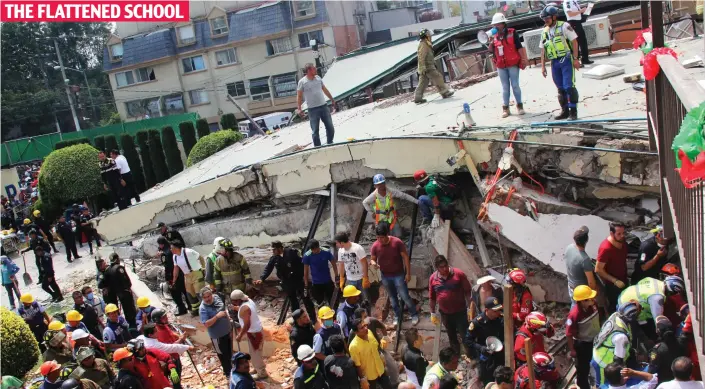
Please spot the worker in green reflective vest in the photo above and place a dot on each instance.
(614, 341)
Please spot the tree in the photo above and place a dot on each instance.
(188, 136)
(228, 122)
(143, 142)
(70, 142)
(69, 175)
(133, 159)
(99, 142)
(111, 143)
(172, 152)
(20, 351)
(156, 154)
(202, 128)
(211, 144)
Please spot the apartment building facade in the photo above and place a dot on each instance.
(253, 51)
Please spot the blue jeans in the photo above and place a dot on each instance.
(358, 285)
(315, 116)
(426, 207)
(510, 76)
(396, 284)
(563, 75)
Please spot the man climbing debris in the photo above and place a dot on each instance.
(436, 204)
(381, 203)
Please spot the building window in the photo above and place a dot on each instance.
(237, 89)
(305, 38)
(124, 79)
(226, 57)
(199, 96)
(140, 75)
(145, 74)
(116, 52)
(174, 104)
(259, 88)
(284, 84)
(278, 46)
(149, 107)
(186, 35)
(304, 9)
(193, 64)
(219, 26)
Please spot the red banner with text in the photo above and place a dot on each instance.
(94, 11)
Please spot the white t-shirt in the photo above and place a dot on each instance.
(180, 260)
(572, 6)
(121, 163)
(352, 260)
(568, 33)
(681, 385)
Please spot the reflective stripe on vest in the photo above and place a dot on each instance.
(387, 212)
(558, 47)
(641, 292)
(603, 352)
(508, 56)
(437, 370)
(312, 376)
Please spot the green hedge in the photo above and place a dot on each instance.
(171, 151)
(202, 128)
(111, 144)
(133, 159)
(156, 154)
(228, 122)
(211, 144)
(143, 142)
(69, 174)
(19, 348)
(188, 136)
(99, 142)
(71, 142)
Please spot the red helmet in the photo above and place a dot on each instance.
(543, 362)
(516, 276)
(671, 269)
(420, 175)
(536, 321)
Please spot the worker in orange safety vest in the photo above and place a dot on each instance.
(383, 200)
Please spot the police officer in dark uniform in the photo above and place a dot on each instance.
(665, 351)
(488, 323)
(118, 282)
(109, 296)
(85, 225)
(177, 289)
(74, 215)
(45, 226)
(37, 241)
(65, 231)
(46, 272)
(112, 181)
(301, 333)
(169, 233)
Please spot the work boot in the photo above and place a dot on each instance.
(573, 114)
(420, 101)
(564, 108)
(520, 109)
(448, 94)
(505, 111)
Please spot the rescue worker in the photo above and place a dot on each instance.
(508, 56)
(86, 226)
(45, 227)
(117, 332)
(450, 288)
(290, 271)
(364, 351)
(352, 264)
(250, 327)
(427, 69)
(126, 377)
(109, 296)
(169, 233)
(144, 312)
(523, 301)
(210, 262)
(65, 231)
(381, 203)
(177, 286)
(653, 255)
(651, 295)
(328, 328)
(240, 377)
(230, 271)
(544, 372)
(118, 282)
(665, 351)
(613, 342)
(155, 368)
(338, 368)
(112, 181)
(309, 375)
(488, 323)
(74, 383)
(56, 342)
(47, 274)
(581, 327)
(436, 204)
(95, 302)
(448, 359)
(95, 369)
(535, 327)
(51, 371)
(88, 315)
(191, 263)
(346, 309)
(158, 334)
(165, 334)
(35, 316)
(34, 242)
(81, 338)
(559, 44)
(28, 226)
(302, 332)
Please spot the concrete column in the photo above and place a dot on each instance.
(333, 193)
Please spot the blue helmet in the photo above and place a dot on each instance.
(674, 285)
(378, 179)
(549, 10)
(629, 310)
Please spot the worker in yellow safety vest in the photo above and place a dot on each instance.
(651, 295)
(381, 202)
(614, 341)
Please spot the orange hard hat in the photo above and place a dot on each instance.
(671, 269)
(121, 354)
(48, 367)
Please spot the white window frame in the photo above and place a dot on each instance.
(227, 51)
(244, 88)
(148, 70)
(127, 79)
(308, 12)
(222, 30)
(308, 39)
(203, 97)
(260, 96)
(188, 41)
(114, 57)
(285, 89)
(277, 44)
(192, 64)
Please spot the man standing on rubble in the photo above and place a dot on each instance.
(578, 264)
(364, 351)
(450, 288)
(653, 255)
(382, 198)
(488, 323)
(214, 316)
(427, 69)
(118, 282)
(302, 332)
(311, 89)
(250, 327)
(191, 263)
(230, 270)
(614, 341)
(485, 287)
(522, 299)
(437, 204)
(581, 327)
(611, 264)
(352, 264)
(316, 268)
(169, 233)
(177, 286)
(346, 310)
(389, 254)
(536, 325)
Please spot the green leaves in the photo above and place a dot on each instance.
(19, 348)
(69, 174)
(188, 136)
(211, 144)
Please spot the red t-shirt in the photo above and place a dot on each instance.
(615, 259)
(389, 256)
(575, 317)
(449, 293)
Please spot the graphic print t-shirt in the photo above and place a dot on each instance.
(351, 259)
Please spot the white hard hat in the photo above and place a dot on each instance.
(498, 18)
(216, 241)
(79, 334)
(305, 353)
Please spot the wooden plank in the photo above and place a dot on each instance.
(460, 257)
(529, 352)
(508, 326)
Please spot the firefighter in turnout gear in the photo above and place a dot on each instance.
(559, 45)
(95, 369)
(613, 343)
(427, 69)
(231, 270)
(118, 283)
(535, 327)
(381, 202)
(210, 262)
(488, 323)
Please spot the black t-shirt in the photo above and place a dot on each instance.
(340, 372)
(90, 319)
(300, 336)
(647, 251)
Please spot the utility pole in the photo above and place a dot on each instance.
(316, 55)
(90, 95)
(66, 86)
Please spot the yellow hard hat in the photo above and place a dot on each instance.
(111, 308)
(27, 298)
(326, 313)
(27, 221)
(56, 325)
(36, 213)
(350, 291)
(142, 302)
(73, 315)
(583, 292)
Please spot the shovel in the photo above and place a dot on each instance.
(26, 277)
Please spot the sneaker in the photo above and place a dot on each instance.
(414, 320)
(448, 94)
(520, 109)
(420, 101)
(588, 62)
(78, 257)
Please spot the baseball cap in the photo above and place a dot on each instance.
(493, 303)
(238, 356)
(297, 314)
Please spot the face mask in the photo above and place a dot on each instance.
(89, 296)
(660, 245)
(328, 323)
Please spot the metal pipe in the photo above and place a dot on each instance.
(610, 120)
(332, 211)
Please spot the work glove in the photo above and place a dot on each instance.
(305, 290)
(435, 319)
(365, 282)
(619, 284)
(364, 384)
(342, 283)
(470, 316)
(436, 222)
(174, 375)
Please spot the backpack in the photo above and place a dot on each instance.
(448, 188)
